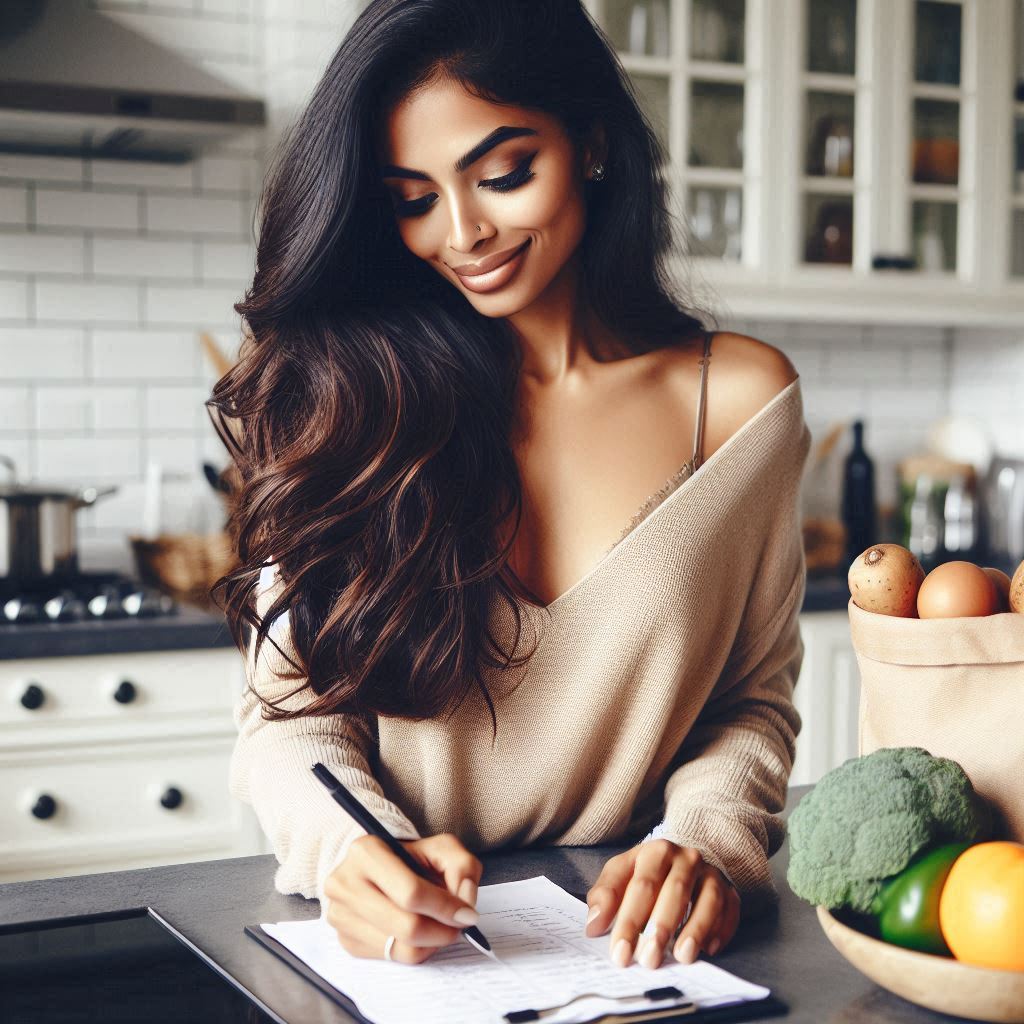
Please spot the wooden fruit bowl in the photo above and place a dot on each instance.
(937, 982)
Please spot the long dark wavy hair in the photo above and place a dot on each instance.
(369, 413)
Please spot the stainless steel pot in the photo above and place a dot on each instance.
(38, 530)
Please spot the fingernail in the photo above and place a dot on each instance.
(593, 913)
(466, 916)
(652, 954)
(467, 891)
(714, 946)
(686, 952)
(621, 953)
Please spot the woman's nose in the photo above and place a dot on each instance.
(466, 220)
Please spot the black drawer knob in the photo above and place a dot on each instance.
(126, 692)
(33, 697)
(172, 798)
(44, 807)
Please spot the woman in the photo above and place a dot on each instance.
(464, 371)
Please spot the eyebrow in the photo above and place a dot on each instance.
(464, 162)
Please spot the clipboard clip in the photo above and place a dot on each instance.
(653, 994)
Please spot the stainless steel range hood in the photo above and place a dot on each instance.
(75, 82)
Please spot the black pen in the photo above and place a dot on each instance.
(342, 796)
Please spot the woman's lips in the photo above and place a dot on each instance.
(499, 276)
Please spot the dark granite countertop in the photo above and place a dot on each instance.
(187, 629)
(209, 903)
(193, 628)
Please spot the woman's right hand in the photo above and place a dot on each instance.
(372, 894)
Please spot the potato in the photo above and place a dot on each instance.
(885, 579)
(1017, 590)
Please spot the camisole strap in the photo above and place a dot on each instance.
(698, 435)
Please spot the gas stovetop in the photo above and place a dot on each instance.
(86, 596)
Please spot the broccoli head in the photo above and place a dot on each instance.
(867, 819)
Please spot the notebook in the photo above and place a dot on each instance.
(535, 929)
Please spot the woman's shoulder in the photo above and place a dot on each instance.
(744, 375)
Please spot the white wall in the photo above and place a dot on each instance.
(108, 271)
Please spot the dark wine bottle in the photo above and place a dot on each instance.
(859, 512)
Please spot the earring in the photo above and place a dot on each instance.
(597, 172)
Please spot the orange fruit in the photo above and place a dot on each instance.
(981, 909)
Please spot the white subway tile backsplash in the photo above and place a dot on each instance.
(15, 410)
(227, 261)
(176, 408)
(144, 257)
(194, 215)
(28, 353)
(139, 174)
(22, 167)
(63, 408)
(222, 173)
(116, 408)
(87, 459)
(86, 209)
(14, 299)
(29, 252)
(177, 453)
(144, 354)
(87, 302)
(192, 304)
(13, 205)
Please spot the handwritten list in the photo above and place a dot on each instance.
(535, 929)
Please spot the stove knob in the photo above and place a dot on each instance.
(18, 609)
(44, 807)
(126, 692)
(172, 798)
(33, 697)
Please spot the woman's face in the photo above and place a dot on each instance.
(475, 184)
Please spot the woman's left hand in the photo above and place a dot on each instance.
(655, 881)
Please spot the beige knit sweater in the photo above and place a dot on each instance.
(660, 694)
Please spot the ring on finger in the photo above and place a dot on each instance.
(387, 947)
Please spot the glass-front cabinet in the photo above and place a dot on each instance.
(696, 67)
(829, 153)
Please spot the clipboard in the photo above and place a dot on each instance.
(770, 1006)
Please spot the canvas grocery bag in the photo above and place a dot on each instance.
(952, 686)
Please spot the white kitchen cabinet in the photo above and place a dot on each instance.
(810, 138)
(119, 760)
(827, 695)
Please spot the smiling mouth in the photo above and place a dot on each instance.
(513, 253)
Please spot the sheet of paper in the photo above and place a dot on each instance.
(535, 928)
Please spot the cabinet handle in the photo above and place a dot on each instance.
(33, 697)
(126, 692)
(172, 798)
(44, 807)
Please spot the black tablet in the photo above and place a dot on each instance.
(115, 968)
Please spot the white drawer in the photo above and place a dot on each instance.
(109, 689)
(107, 800)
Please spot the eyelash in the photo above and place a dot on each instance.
(507, 183)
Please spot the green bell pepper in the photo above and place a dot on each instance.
(907, 908)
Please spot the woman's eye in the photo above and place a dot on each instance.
(520, 176)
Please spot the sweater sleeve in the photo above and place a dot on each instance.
(270, 767)
(733, 767)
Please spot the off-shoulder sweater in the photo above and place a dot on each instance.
(659, 694)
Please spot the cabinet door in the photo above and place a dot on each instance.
(698, 70)
(827, 695)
